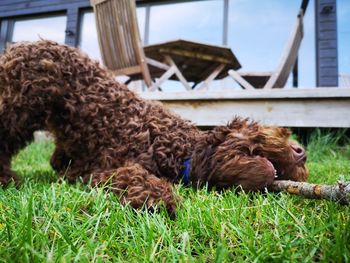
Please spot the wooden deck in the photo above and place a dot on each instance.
(319, 107)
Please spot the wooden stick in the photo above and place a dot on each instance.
(339, 193)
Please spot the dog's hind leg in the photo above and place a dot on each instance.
(16, 131)
(137, 187)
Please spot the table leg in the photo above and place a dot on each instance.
(211, 77)
(164, 77)
(178, 73)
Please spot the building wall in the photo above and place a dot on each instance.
(10, 10)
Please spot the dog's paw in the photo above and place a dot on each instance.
(6, 180)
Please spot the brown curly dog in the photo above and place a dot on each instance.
(106, 133)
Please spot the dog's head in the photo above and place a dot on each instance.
(286, 155)
(251, 155)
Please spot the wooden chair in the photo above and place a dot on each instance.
(278, 78)
(121, 46)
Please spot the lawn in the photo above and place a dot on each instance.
(48, 220)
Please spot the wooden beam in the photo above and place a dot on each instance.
(237, 77)
(194, 54)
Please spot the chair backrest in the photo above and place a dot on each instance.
(289, 57)
(119, 37)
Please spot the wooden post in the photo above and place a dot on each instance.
(295, 74)
(225, 23)
(72, 26)
(3, 34)
(326, 43)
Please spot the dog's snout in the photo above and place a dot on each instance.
(299, 153)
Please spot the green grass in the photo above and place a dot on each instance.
(48, 220)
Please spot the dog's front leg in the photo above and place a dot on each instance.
(137, 187)
(250, 173)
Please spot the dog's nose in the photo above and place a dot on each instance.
(299, 153)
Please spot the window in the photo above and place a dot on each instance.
(32, 29)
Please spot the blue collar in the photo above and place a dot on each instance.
(186, 172)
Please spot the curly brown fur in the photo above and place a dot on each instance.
(104, 132)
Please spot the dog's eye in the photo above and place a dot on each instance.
(257, 152)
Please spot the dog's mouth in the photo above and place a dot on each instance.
(272, 167)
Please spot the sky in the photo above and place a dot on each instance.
(49, 27)
(343, 12)
(257, 32)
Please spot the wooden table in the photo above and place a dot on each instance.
(197, 62)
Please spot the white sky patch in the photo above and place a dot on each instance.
(200, 21)
(51, 28)
(343, 12)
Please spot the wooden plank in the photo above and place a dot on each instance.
(327, 35)
(327, 25)
(194, 54)
(290, 109)
(38, 3)
(127, 71)
(328, 71)
(10, 2)
(40, 7)
(256, 73)
(307, 93)
(328, 53)
(328, 62)
(157, 64)
(290, 114)
(191, 49)
(325, 44)
(326, 2)
(329, 81)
